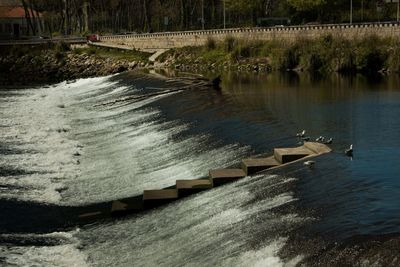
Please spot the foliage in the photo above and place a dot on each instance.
(62, 47)
(210, 44)
(65, 17)
(326, 54)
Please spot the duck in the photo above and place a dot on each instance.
(302, 134)
(349, 151)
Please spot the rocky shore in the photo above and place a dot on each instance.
(49, 66)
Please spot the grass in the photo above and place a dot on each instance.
(118, 54)
(325, 54)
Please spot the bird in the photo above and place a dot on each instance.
(302, 134)
(320, 139)
(309, 163)
(349, 151)
(329, 141)
(307, 138)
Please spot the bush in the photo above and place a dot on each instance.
(211, 44)
(370, 55)
(229, 44)
(91, 50)
(315, 62)
(59, 55)
(19, 51)
(62, 47)
(290, 58)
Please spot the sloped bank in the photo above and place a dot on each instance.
(24, 66)
(368, 55)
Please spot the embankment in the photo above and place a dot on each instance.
(38, 65)
(369, 55)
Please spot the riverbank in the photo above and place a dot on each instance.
(40, 65)
(369, 55)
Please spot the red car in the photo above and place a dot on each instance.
(93, 38)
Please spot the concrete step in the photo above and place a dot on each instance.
(153, 198)
(317, 148)
(126, 205)
(189, 187)
(223, 176)
(251, 166)
(285, 155)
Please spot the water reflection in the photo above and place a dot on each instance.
(265, 110)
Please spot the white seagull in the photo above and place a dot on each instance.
(302, 134)
(309, 163)
(349, 151)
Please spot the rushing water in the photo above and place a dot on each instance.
(66, 146)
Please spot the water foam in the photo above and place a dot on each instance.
(215, 228)
(94, 153)
(64, 253)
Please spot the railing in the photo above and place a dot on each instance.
(255, 29)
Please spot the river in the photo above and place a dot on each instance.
(68, 146)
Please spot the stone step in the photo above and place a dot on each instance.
(251, 166)
(188, 187)
(285, 155)
(317, 148)
(126, 205)
(223, 176)
(153, 198)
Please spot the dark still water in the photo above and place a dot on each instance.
(71, 145)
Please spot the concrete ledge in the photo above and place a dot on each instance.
(126, 205)
(317, 148)
(90, 215)
(152, 198)
(285, 155)
(251, 166)
(223, 176)
(188, 187)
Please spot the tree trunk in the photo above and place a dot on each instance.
(28, 18)
(85, 8)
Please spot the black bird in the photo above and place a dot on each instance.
(349, 151)
(307, 138)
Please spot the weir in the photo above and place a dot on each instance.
(183, 188)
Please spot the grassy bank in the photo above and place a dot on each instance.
(326, 54)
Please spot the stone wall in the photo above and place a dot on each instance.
(154, 41)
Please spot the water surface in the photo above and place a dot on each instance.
(74, 144)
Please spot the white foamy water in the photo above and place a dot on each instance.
(64, 254)
(215, 228)
(69, 149)
(91, 152)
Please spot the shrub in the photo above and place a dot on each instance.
(59, 56)
(211, 44)
(370, 56)
(290, 58)
(315, 62)
(62, 47)
(91, 50)
(229, 44)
